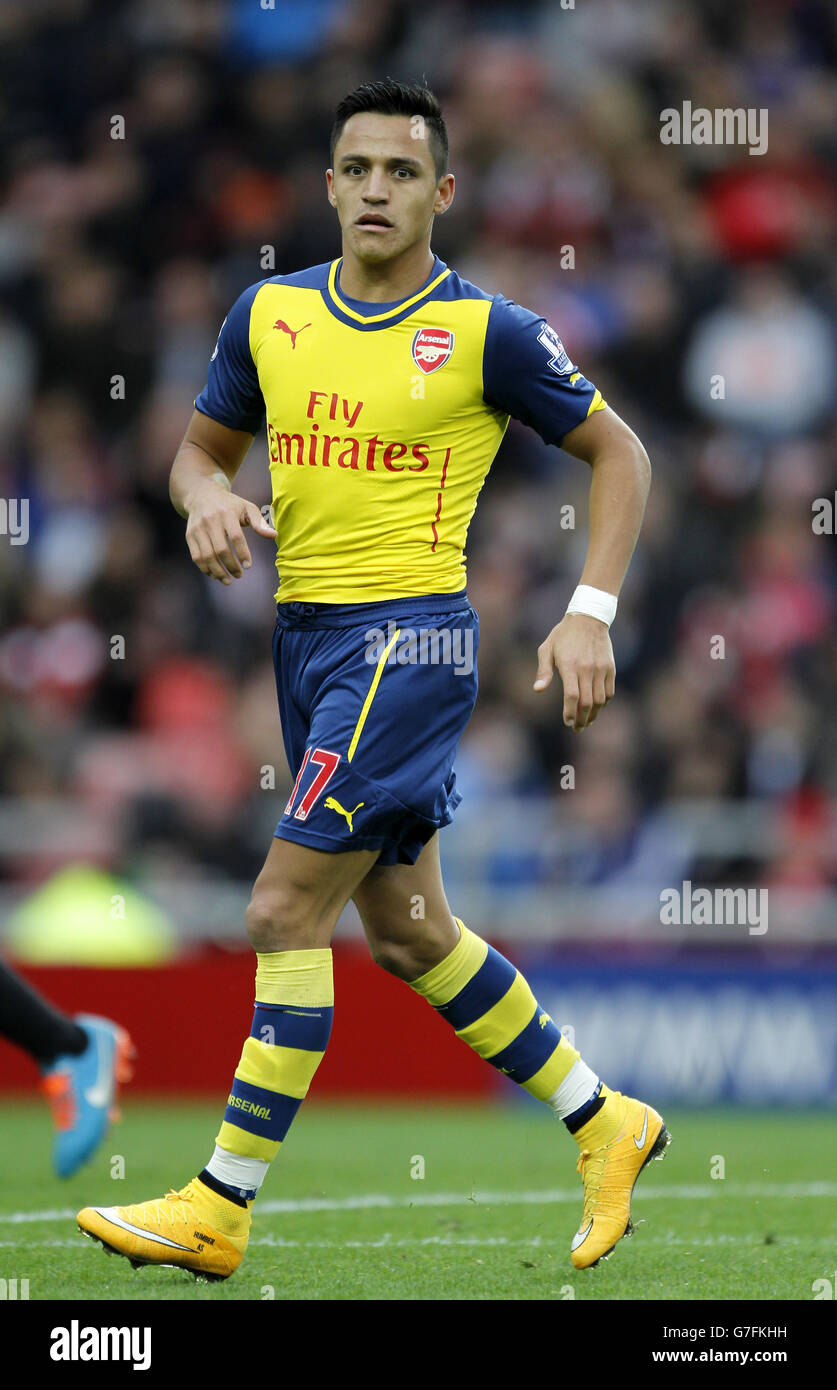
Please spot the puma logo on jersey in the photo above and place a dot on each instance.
(332, 804)
(291, 332)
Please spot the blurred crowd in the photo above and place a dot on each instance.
(698, 292)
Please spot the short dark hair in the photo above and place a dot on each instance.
(393, 98)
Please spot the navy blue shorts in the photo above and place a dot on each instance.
(373, 699)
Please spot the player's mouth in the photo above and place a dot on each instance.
(373, 222)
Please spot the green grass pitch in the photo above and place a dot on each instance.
(341, 1217)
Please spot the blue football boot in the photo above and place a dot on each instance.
(82, 1091)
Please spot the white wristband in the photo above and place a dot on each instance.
(594, 603)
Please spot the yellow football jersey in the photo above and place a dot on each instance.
(383, 420)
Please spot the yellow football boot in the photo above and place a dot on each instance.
(615, 1147)
(193, 1229)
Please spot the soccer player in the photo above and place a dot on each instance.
(83, 1060)
(388, 383)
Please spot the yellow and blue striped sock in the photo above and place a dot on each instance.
(291, 1028)
(491, 1007)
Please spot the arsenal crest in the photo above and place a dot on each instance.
(431, 348)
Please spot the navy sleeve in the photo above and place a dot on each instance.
(527, 373)
(232, 394)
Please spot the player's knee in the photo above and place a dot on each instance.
(282, 920)
(394, 959)
(409, 961)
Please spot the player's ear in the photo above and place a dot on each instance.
(444, 194)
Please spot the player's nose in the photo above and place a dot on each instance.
(375, 190)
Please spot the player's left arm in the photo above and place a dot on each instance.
(527, 373)
(579, 647)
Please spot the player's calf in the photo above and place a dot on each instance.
(492, 1008)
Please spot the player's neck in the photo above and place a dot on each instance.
(382, 284)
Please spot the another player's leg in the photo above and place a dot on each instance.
(492, 1008)
(83, 1060)
(204, 1227)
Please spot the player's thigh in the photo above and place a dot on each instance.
(405, 911)
(300, 893)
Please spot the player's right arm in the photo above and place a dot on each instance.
(227, 414)
(200, 488)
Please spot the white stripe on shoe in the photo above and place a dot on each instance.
(110, 1214)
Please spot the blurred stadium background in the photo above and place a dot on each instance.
(138, 723)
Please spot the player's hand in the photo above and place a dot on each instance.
(215, 531)
(579, 649)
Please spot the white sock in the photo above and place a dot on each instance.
(578, 1087)
(244, 1175)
